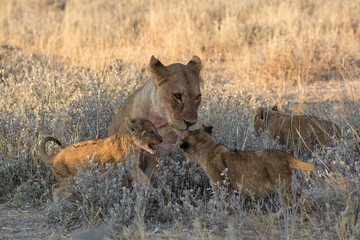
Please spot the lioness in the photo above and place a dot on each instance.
(169, 99)
(256, 171)
(135, 132)
(292, 130)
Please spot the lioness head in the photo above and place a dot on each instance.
(195, 141)
(143, 133)
(177, 95)
(260, 118)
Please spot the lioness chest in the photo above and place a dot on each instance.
(169, 134)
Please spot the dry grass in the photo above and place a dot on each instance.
(78, 62)
(263, 40)
(42, 97)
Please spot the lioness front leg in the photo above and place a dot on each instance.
(147, 165)
(142, 171)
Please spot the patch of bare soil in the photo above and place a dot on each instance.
(25, 224)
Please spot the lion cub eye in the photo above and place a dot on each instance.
(177, 96)
(152, 132)
(198, 97)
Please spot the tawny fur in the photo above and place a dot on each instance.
(294, 130)
(169, 99)
(257, 171)
(136, 133)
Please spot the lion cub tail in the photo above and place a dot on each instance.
(42, 151)
(296, 163)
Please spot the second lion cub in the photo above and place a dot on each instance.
(256, 171)
(294, 129)
(137, 132)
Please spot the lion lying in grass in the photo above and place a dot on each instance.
(257, 171)
(294, 130)
(135, 132)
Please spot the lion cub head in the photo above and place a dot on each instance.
(196, 142)
(143, 133)
(263, 115)
(178, 95)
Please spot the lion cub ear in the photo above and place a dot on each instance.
(206, 127)
(195, 64)
(131, 124)
(261, 113)
(275, 108)
(158, 69)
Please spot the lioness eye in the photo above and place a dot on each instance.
(177, 96)
(152, 132)
(198, 97)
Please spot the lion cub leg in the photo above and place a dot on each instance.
(54, 189)
(58, 191)
(281, 183)
(290, 200)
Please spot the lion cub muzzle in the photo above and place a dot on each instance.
(183, 144)
(149, 140)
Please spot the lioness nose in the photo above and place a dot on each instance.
(188, 124)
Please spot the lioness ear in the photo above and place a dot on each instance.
(207, 128)
(275, 108)
(195, 64)
(158, 69)
(261, 113)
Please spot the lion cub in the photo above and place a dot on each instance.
(256, 171)
(137, 132)
(289, 128)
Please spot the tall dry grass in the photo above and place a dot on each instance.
(239, 42)
(253, 40)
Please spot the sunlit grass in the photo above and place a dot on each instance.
(291, 41)
(66, 69)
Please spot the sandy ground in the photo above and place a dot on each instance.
(22, 224)
(29, 224)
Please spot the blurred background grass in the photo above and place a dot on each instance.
(255, 40)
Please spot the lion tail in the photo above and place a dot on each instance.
(296, 163)
(42, 151)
